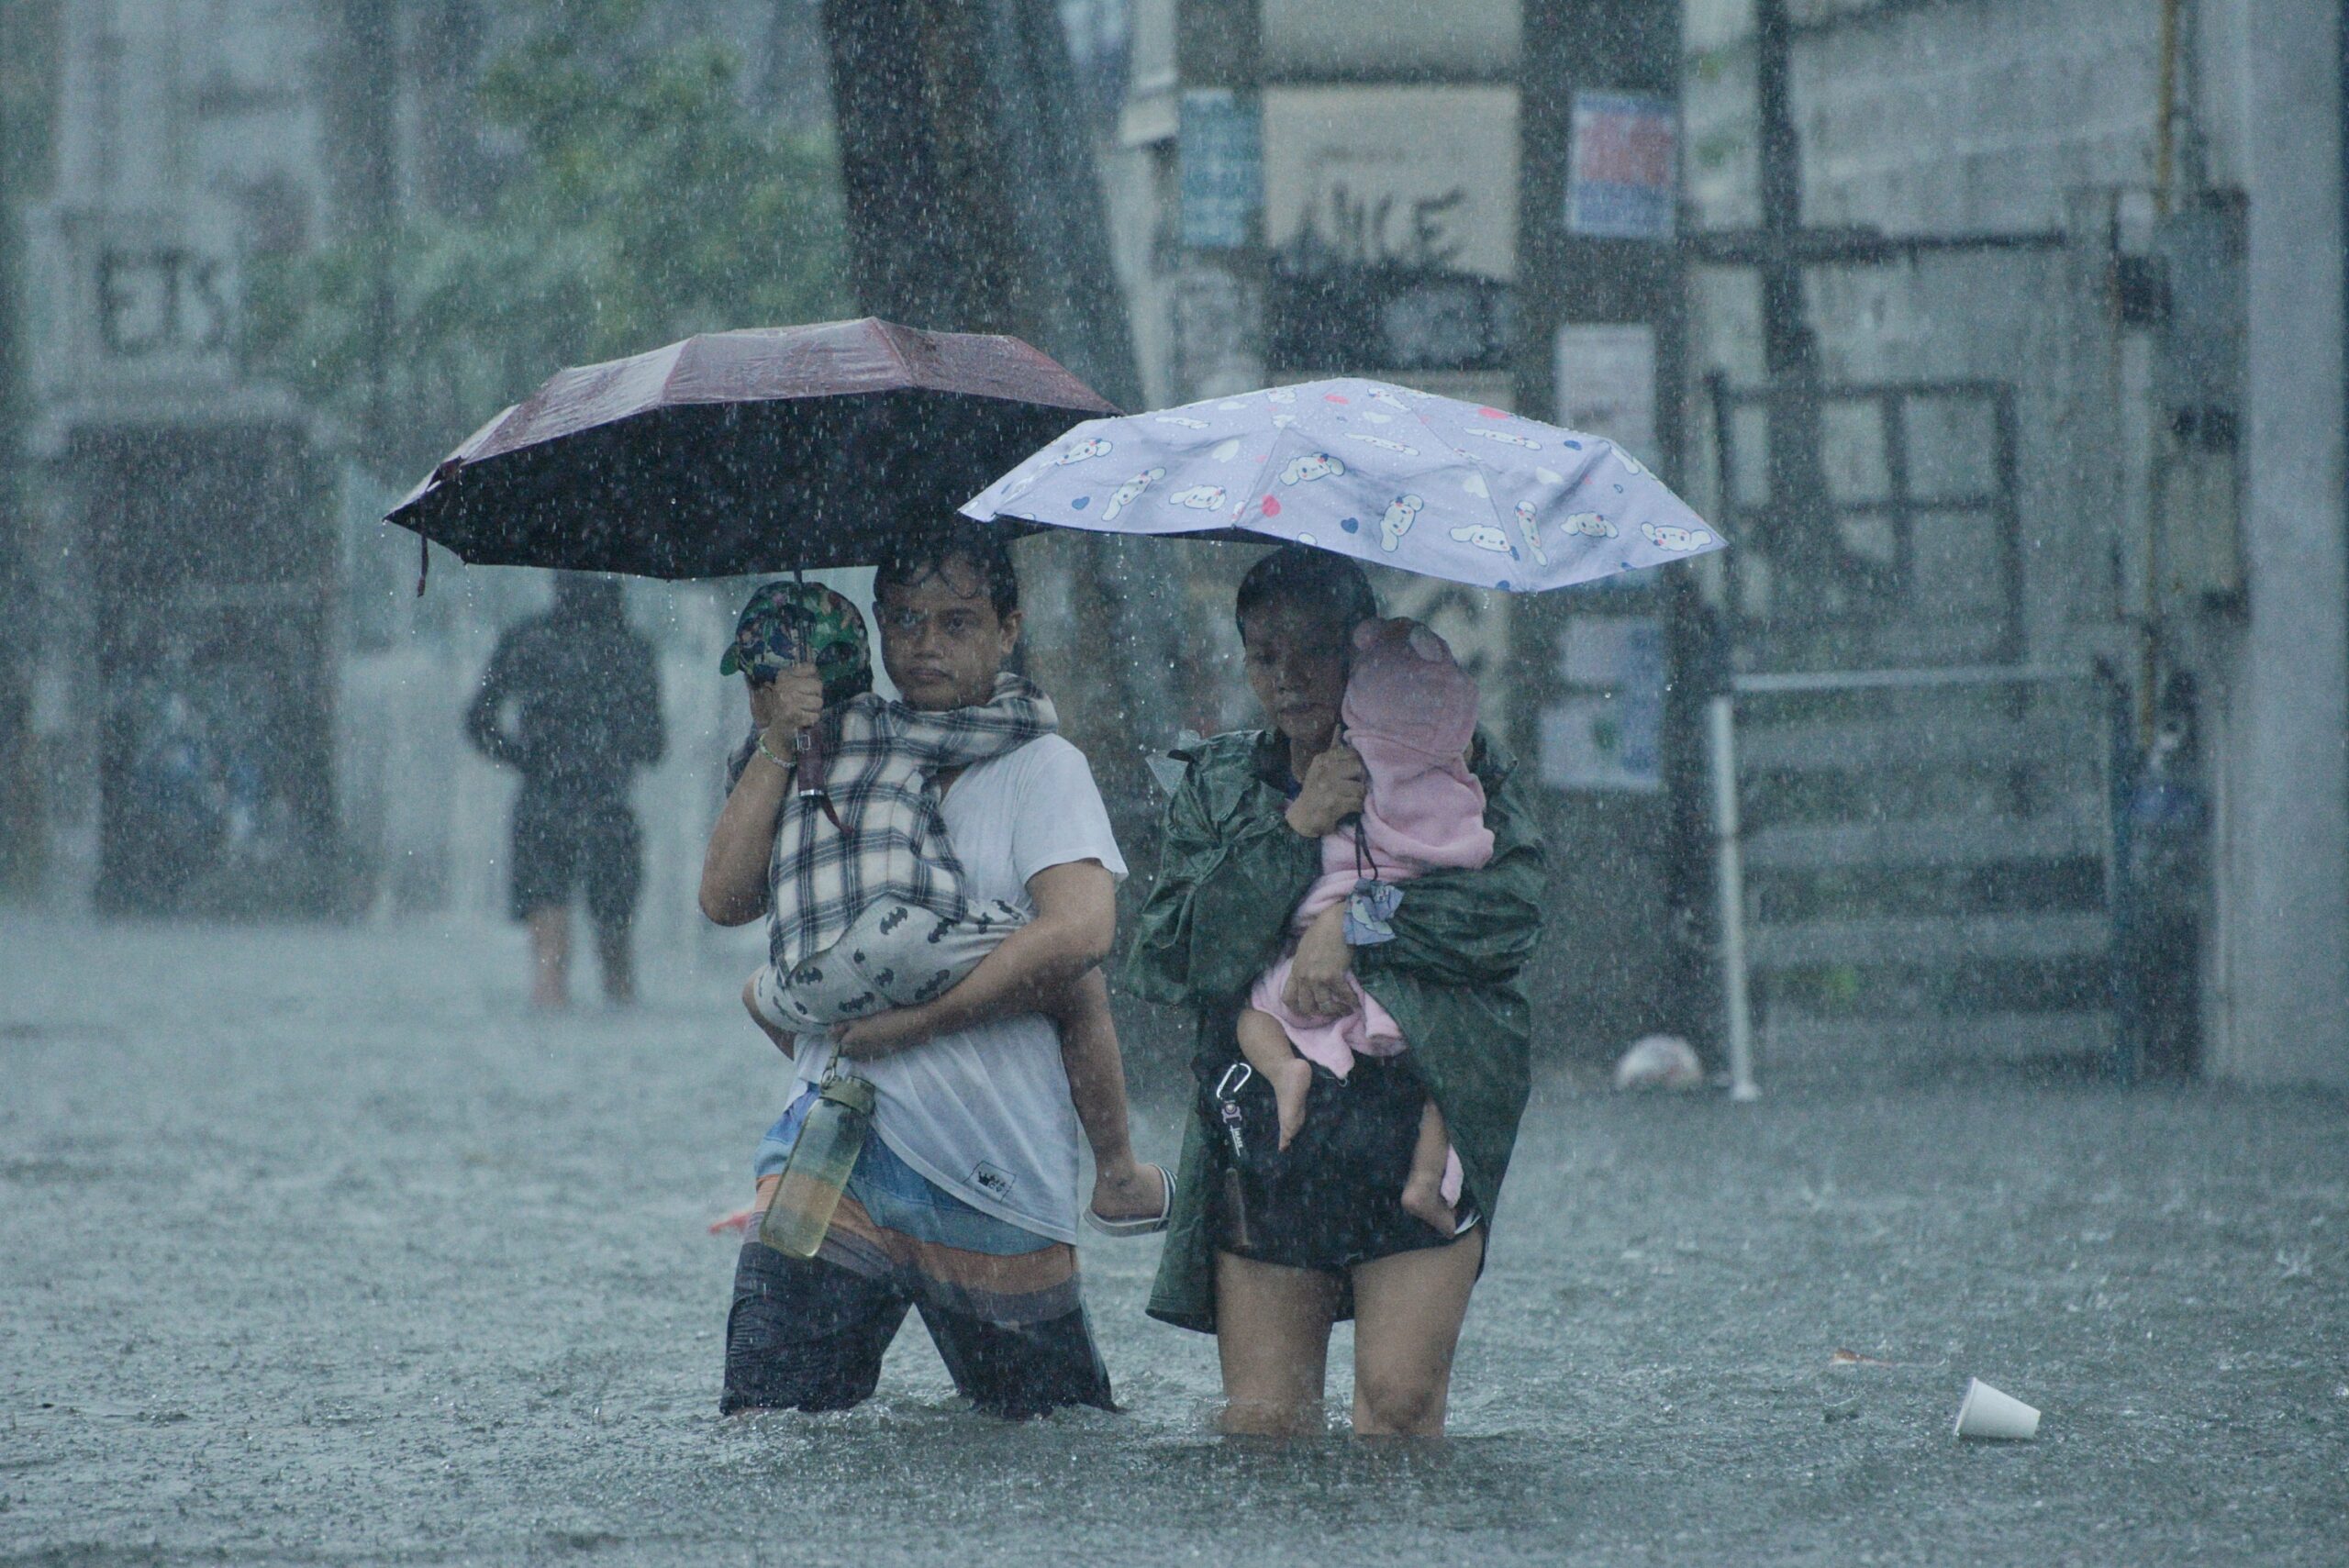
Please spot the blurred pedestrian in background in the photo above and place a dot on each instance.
(587, 715)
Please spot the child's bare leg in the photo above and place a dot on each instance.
(1268, 1049)
(1123, 1188)
(1423, 1188)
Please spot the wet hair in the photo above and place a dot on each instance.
(1312, 579)
(588, 595)
(925, 554)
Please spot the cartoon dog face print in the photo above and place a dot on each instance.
(1199, 497)
(1509, 439)
(1185, 420)
(1083, 451)
(1381, 443)
(1304, 470)
(1484, 536)
(1590, 525)
(1401, 513)
(1669, 536)
(1531, 527)
(1126, 494)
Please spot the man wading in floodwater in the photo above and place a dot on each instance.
(590, 715)
(963, 1202)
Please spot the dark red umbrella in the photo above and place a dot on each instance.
(757, 451)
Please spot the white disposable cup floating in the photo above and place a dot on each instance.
(1987, 1413)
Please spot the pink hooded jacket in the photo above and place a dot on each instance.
(1411, 712)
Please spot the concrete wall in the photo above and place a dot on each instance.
(1971, 117)
(2285, 871)
(2017, 115)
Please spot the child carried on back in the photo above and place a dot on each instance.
(1410, 713)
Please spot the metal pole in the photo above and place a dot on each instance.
(1730, 881)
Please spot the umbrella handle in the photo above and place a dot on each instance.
(807, 752)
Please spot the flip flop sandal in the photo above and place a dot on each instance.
(1143, 1225)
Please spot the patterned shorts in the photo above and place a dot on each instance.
(1001, 1304)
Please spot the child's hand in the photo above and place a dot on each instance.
(883, 1034)
(1319, 970)
(785, 706)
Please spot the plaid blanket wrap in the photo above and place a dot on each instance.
(879, 759)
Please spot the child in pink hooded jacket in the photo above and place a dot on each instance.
(1410, 713)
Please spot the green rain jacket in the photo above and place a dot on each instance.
(1231, 872)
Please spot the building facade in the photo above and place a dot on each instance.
(2004, 339)
(2005, 342)
(2130, 248)
(226, 697)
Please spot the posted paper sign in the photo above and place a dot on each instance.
(1617, 653)
(1220, 137)
(1602, 742)
(1613, 737)
(1622, 180)
(1605, 385)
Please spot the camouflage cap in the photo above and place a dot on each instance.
(789, 623)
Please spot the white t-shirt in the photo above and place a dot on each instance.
(984, 1113)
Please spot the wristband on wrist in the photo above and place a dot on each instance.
(770, 756)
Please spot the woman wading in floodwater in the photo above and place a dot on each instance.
(1269, 1247)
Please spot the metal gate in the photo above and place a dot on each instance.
(1914, 830)
(1906, 551)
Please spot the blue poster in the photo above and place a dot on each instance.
(1222, 139)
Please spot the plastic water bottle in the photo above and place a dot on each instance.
(831, 1137)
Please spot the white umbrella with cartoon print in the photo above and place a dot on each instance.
(1392, 476)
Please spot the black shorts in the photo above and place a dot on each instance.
(566, 847)
(1335, 1198)
(807, 1334)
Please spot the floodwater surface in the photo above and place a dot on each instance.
(319, 1247)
